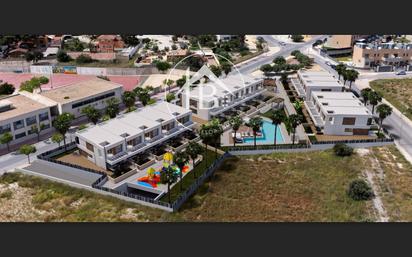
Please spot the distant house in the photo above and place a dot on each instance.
(109, 43)
(176, 54)
(18, 52)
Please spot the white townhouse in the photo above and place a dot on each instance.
(308, 81)
(339, 113)
(114, 141)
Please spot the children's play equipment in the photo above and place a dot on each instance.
(153, 176)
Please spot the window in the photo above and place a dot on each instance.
(348, 130)
(326, 90)
(20, 135)
(46, 126)
(348, 121)
(89, 147)
(369, 122)
(31, 120)
(366, 55)
(43, 116)
(92, 100)
(18, 124)
(5, 128)
(183, 120)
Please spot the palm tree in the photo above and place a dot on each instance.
(345, 76)
(217, 131)
(129, 99)
(291, 123)
(235, 122)
(384, 111)
(352, 75)
(374, 99)
(169, 176)
(62, 124)
(181, 159)
(206, 137)
(255, 124)
(194, 150)
(92, 113)
(365, 95)
(277, 118)
(340, 68)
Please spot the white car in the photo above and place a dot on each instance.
(402, 72)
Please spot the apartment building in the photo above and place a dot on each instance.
(20, 114)
(339, 113)
(74, 97)
(388, 56)
(109, 143)
(213, 98)
(343, 41)
(308, 81)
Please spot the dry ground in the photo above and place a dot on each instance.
(307, 186)
(397, 91)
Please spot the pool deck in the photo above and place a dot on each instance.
(227, 139)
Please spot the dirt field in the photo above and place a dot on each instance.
(308, 186)
(397, 91)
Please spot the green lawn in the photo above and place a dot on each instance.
(189, 178)
(344, 59)
(397, 91)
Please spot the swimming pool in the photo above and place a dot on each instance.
(268, 135)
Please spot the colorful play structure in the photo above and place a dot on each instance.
(153, 177)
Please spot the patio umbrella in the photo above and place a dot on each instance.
(168, 157)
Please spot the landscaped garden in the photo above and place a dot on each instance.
(397, 91)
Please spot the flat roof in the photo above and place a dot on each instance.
(80, 90)
(20, 105)
(342, 103)
(322, 73)
(327, 84)
(212, 90)
(131, 123)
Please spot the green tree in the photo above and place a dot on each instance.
(291, 124)
(226, 67)
(384, 111)
(235, 122)
(37, 130)
(280, 60)
(62, 56)
(181, 82)
(6, 89)
(295, 53)
(181, 159)
(217, 131)
(143, 94)
(340, 68)
(277, 118)
(84, 58)
(129, 99)
(62, 124)
(352, 76)
(266, 68)
(206, 135)
(169, 176)
(194, 150)
(92, 113)
(216, 70)
(360, 190)
(6, 138)
(170, 97)
(27, 150)
(255, 124)
(297, 38)
(112, 107)
(163, 66)
(365, 95)
(374, 99)
(34, 56)
(57, 138)
(168, 83)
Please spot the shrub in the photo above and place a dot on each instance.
(341, 149)
(6, 89)
(360, 190)
(84, 59)
(62, 56)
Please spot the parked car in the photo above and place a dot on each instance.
(402, 72)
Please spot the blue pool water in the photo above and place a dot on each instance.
(268, 135)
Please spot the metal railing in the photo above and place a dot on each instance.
(264, 147)
(374, 140)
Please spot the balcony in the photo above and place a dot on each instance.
(314, 114)
(112, 157)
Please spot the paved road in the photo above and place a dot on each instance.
(284, 51)
(397, 124)
(14, 159)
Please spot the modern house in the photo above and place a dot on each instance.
(382, 56)
(74, 97)
(112, 142)
(19, 114)
(308, 81)
(210, 99)
(339, 113)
